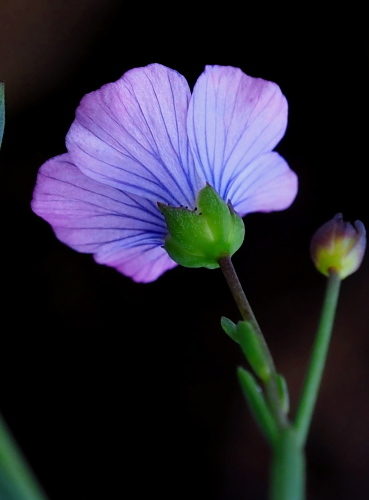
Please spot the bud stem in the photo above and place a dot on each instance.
(318, 358)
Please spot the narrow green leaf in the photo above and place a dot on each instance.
(8, 488)
(258, 406)
(229, 327)
(253, 349)
(283, 393)
(17, 480)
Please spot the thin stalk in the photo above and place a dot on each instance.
(247, 314)
(318, 358)
(239, 296)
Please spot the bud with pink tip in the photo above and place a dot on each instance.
(338, 246)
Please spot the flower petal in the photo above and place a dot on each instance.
(266, 184)
(232, 120)
(131, 134)
(122, 231)
(143, 264)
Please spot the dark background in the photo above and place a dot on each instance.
(115, 389)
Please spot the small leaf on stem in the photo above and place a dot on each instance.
(258, 406)
(253, 349)
(230, 328)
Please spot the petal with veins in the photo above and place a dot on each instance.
(233, 120)
(131, 134)
(94, 218)
(266, 184)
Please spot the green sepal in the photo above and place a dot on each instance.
(2, 111)
(253, 349)
(258, 406)
(187, 233)
(230, 328)
(220, 217)
(200, 237)
(283, 394)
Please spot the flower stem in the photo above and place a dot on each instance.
(287, 481)
(16, 478)
(247, 314)
(239, 296)
(318, 358)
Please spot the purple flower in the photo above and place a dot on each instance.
(145, 139)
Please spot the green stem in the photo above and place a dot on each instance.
(271, 388)
(14, 471)
(318, 358)
(226, 265)
(288, 460)
(287, 480)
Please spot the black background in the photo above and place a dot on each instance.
(115, 389)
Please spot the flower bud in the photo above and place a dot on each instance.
(200, 237)
(338, 246)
